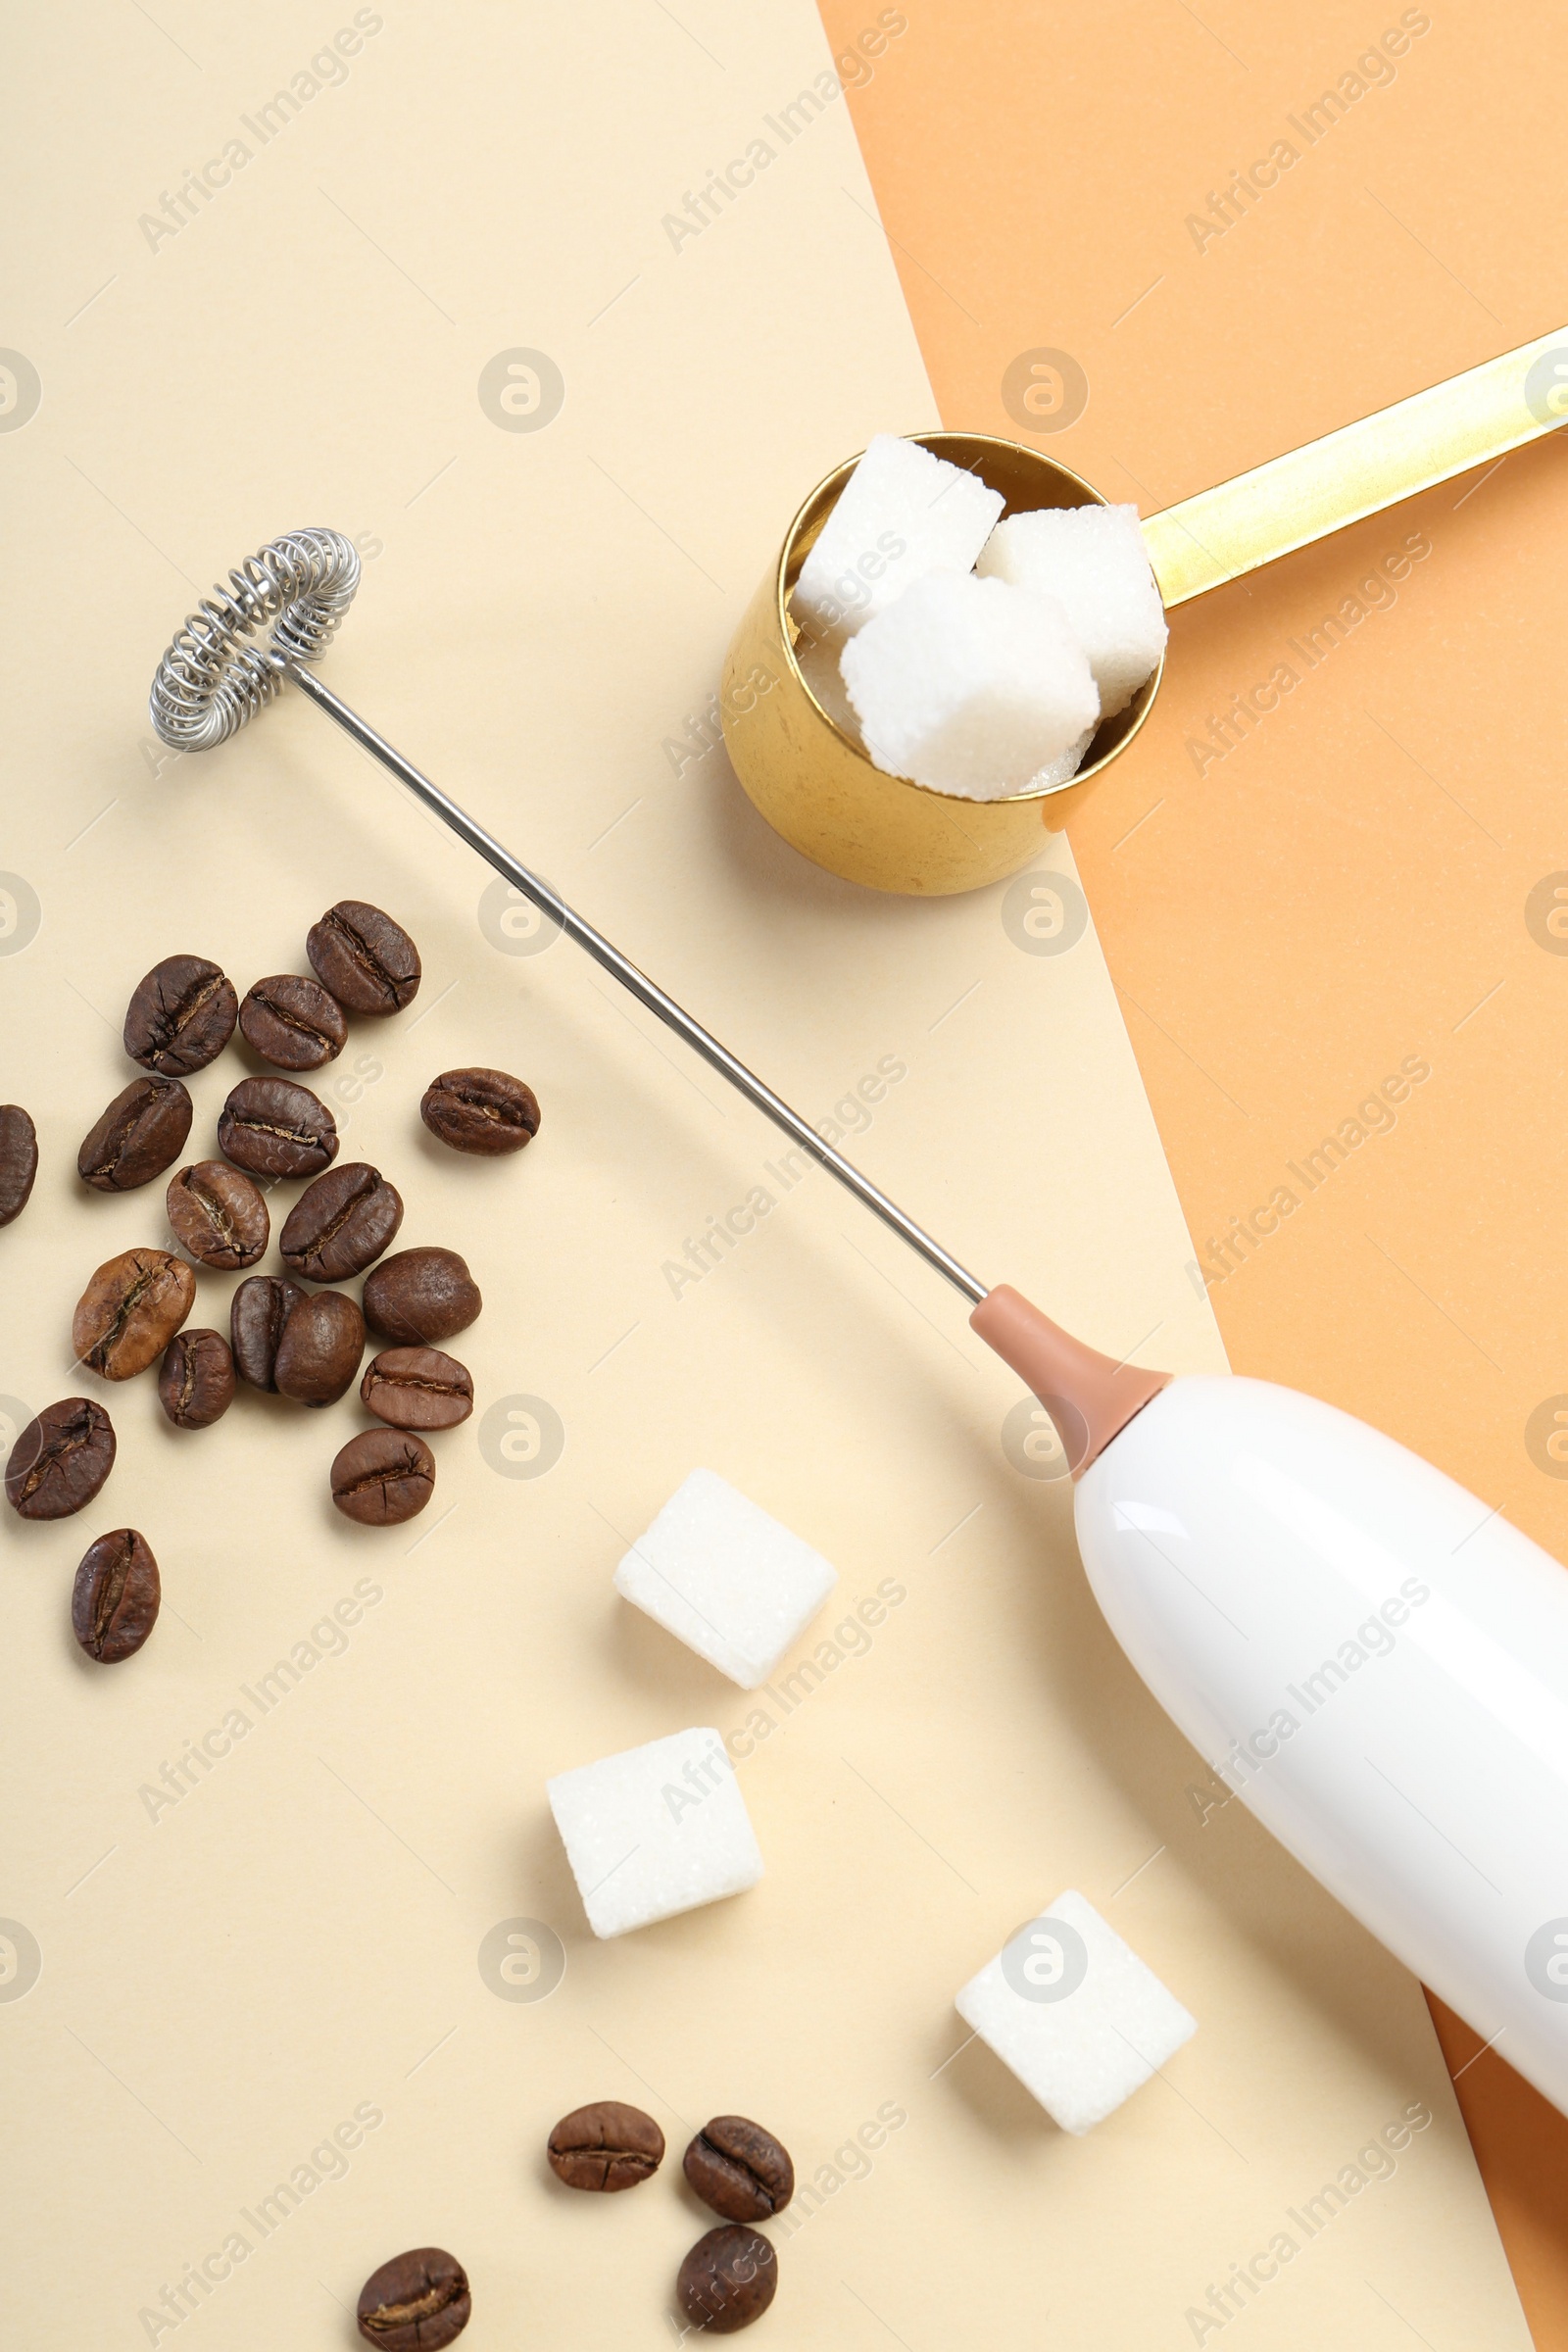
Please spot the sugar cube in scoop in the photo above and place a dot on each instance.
(969, 686)
(1093, 561)
(1075, 2013)
(655, 1830)
(725, 1579)
(902, 514)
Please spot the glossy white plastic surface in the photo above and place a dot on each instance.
(1377, 1665)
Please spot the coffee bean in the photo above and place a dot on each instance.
(143, 1129)
(605, 2147)
(415, 2303)
(484, 1111)
(19, 1161)
(130, 1311)
(275, 1128)
(422, 1295)
(341, 1223)
(383, 1476)
(742, 2171)
(293, 1022)
(181, 1017)
(320, 1349)
(257, 1314)
(216, 1214)
(114, 1604)
(196, 1379)
(368, 961)
(61, 1459)
(418, 1388)
(727, 2280)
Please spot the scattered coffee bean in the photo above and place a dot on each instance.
(181, 1017)
(275, 1128)
(216, 1214)
(293, 1022)
(196, 1379)
(415, 2302)
(320, 1349)
(61, 1459)
(18, 1159)
(605, 2147)
(143, 1129)
(418, 1388)
(422, 1295)
(383, 1476)
(484, 1111)
(742, 2171)
(341, 1223)
(257, 1314)
(130, 1311)
(368, 961)
(727, 2280)
(114, 1604)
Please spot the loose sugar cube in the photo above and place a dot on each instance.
(1075, 2013)
(902, 514)
(969, 686)
(656, 1830)
(725, 1579)
(1094, 562)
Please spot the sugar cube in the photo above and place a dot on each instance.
(725, 1579)
(969, 686)
(1093, 561)
(1075, 2013)
(656, 1830)
(902, 513)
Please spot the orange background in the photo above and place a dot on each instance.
(1347, 886)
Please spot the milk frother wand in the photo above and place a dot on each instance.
(1373, 1661)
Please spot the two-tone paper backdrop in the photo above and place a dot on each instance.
(427, 289)
(1373, 872)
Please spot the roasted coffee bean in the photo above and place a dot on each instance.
(61, 1459)
(196, 1379)
(727, 2280)
(368, 961)
(319, 1352)
(216, 1214)
(422, 1295)
(143, 1129)
(484, 1111)
(383, 1476)
(418, 1388)
(742, 2171)
(275, 1128)
(293, 1022)
(415, 2302)
(18, 1159)
(130, 1311)
(181, 1017)
(341, 1223)
(257, 1314)
(114, 1604)
(605, 2147)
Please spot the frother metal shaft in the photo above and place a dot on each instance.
(717, 1057)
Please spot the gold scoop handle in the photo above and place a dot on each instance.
(1221, 533)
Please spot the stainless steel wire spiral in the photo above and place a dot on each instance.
(212, 678)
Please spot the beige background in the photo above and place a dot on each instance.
(542, 614)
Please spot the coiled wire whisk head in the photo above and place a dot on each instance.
(213, 679)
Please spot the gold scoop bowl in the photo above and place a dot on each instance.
(817, 786)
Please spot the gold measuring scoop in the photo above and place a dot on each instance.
(819, 789)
